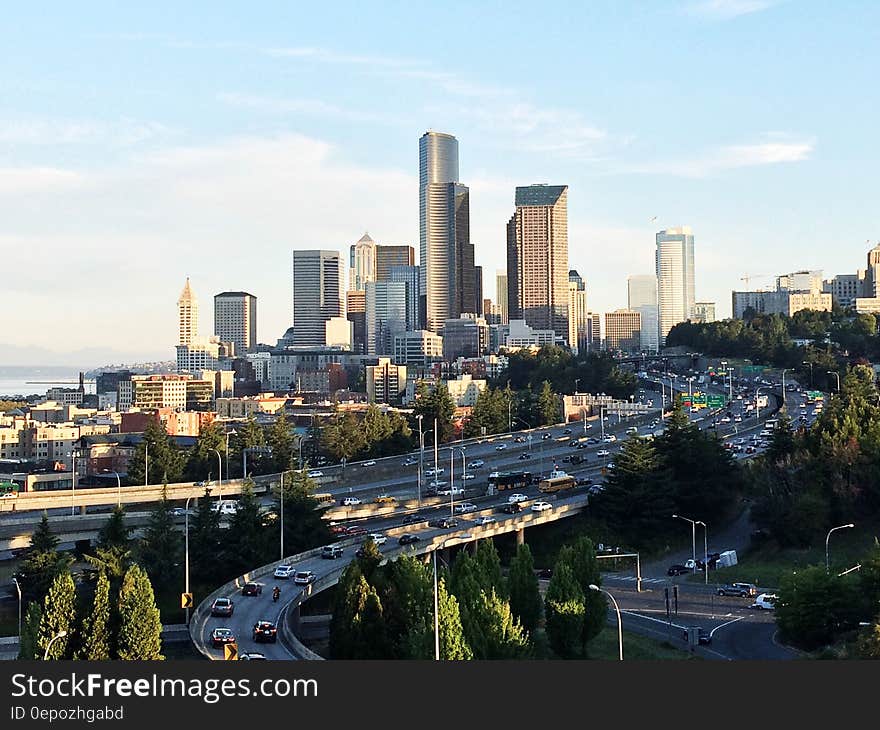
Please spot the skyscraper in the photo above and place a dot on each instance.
(385, 315)
(447, 255)
(704, 312)
(675, 278)
(478, 289)
(501, 294)
(317, 294)
(388, 257)
(235, 319)
(362, 263)
(622, 328)
(187, 316)
(409, 275)
(641, 290)
(356, 313)
(537, 258)
(577, 312)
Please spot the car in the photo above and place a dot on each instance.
(13, 495)
(350, 501)
(583, 481)
(265, 631)
(610, 438)
(408, 539)
(225, 506)
(582, 446)
(678, 569)
(726, 419)
(737, 589)
(304, 577)
(409, 462)
(463, 508)
(434, 472)
(484, 520)
(283, 572)
(331, 552)
(385, 499)
(517, 497)
(220, 636)
(596, 489)
(632, 430)
(573, 444)
(450, 491)
(545, 436)
(468, 477)
(475, 464)
(525, 455)
(541, 506)
(443, 523)
(410, 519)
(737, 419)
(519, 440)
(251, 589)
(592, 441)
(339, 529)
(222, 607)
(315, 474)
(512, 508)
(501, 447)
(371, 462)
(377, 537)
(703, 636)
(603, 452)
(765, 602)
(251, 656)
(174, 511)
(567, 431)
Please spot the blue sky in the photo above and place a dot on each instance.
(139, 146)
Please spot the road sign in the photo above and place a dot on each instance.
(186, 600)
(815, 394)
(715, 401)
(230, 651)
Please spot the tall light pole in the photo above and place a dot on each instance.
(59, 635)
(693, 538)
(436, 449)
(186, 550)
(421, 456)
(784, 401)
(806, 362)
(730, 384)
(18, 588)
(219, 475)
(836, 375)
(118, 487)
(73, 485)
(146, 463)
(594, 587)
(839, 527)
(705, 551)
(281, 512)
(229, 433)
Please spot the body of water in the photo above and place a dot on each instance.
(26, 381)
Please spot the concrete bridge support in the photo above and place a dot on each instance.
(520, 536)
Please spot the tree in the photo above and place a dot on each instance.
(581, 558)
(246, 543)
(304, 528)
(115, 533)
(58, 614)
(248, 436)
(343, 437)
(782, 444)
(525, 595)
(350, 597)
(43, 540)
(453, 645)
(436, 403)
(43, 563)
(112, 553)
(489, 563)
(96, 625)
(500, 636)
(206, 542)
(140, 628)
(549, 405)
(161, 548)
(280, 438)
(868, 646)
(30, 631)
(564, 607)
(407, 598)
(201, 463)
(164, 460)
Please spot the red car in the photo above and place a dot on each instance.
(356, 530)
(338, 529)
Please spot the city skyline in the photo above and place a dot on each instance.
(140, 166)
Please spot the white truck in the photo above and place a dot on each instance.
(726, 559)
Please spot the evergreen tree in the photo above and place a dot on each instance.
(201, 462)
(436, 403)
(96, 625)
(42, 539)
(161, 548)
(246, 545)
(59, 610)
(304, 528)
(407, 597)
(343, 437)
(501, 636)
(115, 533)
(43, 563)
(525, 595)
(350, 596)
(249, 436)
(280, 438)
(549, 405)
(489, 563)
(206, 543)
(782, 445)
(564, 607)
(30, 632)
(164, 460)
(581, 558)
(453, 645)
(140, 628)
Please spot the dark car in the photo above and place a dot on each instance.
(222, 607)
(584, 481)
(331, 552)
(545, 436)
(251, 589)
(444, 523)
(678, 570)
(567, 431)
(525, 455)
(512, 508)
(544, 573)
(407, 539)
(410, 519)
(265, 631)
(221, 636)
(738, 589)
(703, 636)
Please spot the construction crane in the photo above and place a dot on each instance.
(748, 277)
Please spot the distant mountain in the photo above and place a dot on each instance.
(82, 359)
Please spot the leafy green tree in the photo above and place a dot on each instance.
(43, 563)
(164, 460)
(453, 646)
(564, 607)
(96, 625)
(436, 403)
(161, 548)
(350, 597)
(343, 438)
(115, 533)
(489, 563)
(549, 405)
(140, 627)
(407, 599)
(500, 636)
(58, 614)
(304, 528)
(30, 631)
(525, 594)
(581, 558)
(782, 444)
(201, 463)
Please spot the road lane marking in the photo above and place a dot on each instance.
(726, 623)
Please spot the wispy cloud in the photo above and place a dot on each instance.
(325, 55)
(16, 181)
(727, 9)
(50, 132)
(285, 106)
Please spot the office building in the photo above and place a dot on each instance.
(356, 312)
(623, 330)
(845, 288)
(704, 312)
(385, 315)
(782, 301)
(478, 289)
(594, 332)
(187, 315)
(577, 313)
(409, 275)
(419, 347)
(517, 334)
(800, 281)
(204, 354)
(641, 290)
(491, 312)
(447, 287)
(235, 320)
(467, 336)
(338, 332)
(386, 382)
(361, 263)
(537, 258)
(501, 294)
(675, 278)
(317, 294)
(465, 389)
(387, 257)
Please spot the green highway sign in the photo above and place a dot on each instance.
(715, 401)
(753, 369)
(815, 394)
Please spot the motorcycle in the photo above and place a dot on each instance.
(276, 593)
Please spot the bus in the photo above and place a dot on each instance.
(324, 499)
(501, 480)
(556, 484)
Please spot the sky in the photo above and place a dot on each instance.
(144, 143)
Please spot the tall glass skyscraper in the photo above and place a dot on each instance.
(317, 294)
(447, 255)
(641, 292)
(675, 278)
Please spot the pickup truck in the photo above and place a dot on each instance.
(737, 589)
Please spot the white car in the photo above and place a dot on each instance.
(610, 438)
(304, 577)
(468, 477)
(434, 472)
(377, 537)
(765, 601)
(315, 474)
(516, 498)
(225, 507)
(465, 507)
(603, 452)
(450, 491)
(541, 506)
(283, 572)
(501, 447)
(475, 464)
(484, 520)
(371, 462)
(726, 419)
(350, 501)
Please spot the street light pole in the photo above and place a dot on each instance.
(186, 550)
(827, 537)
(594, 587)
(436, 613)
(59, 635)
(219, 476)
(836, 375)
(436, 449)
(73, 484)
(705, 550)
(18, 588)
(281, 495)
(693, 538)
(146, 463)
(806, 362)
(421, 456)
(784, 401)
(118, 488)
